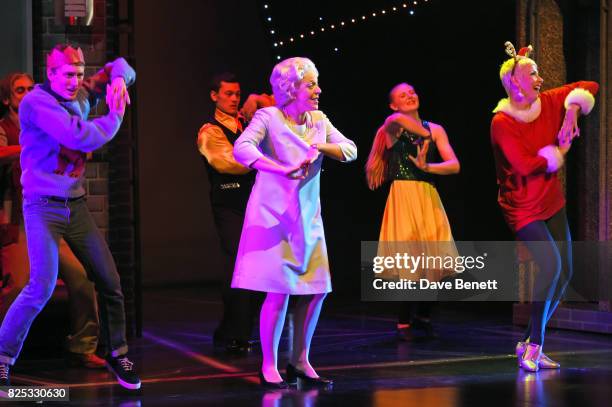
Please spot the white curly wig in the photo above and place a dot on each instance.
(286, 77)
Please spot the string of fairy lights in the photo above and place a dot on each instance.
(340, 24)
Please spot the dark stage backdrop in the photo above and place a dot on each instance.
(179, 46)
(16, 36)
(450, 51)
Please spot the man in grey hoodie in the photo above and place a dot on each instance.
(55, 138)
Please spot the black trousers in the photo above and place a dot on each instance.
(239, 306)
(409, 311)
(550, 244)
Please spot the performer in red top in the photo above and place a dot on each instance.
(531, 133)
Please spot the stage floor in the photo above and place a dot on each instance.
(470, 362)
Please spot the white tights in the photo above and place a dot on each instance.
(272, 319)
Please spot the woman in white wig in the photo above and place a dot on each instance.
(282, 248)
(531, 133)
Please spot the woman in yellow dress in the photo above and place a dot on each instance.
(402, 153)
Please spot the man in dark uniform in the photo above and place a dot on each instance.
(230, 186)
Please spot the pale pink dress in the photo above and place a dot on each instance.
(282, 246)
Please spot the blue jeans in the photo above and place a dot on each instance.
(46, 222)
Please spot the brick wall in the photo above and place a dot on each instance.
(558, 30)
(578, 319)
(97, 193)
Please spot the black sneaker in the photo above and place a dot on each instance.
(4, 375)
(123, 369)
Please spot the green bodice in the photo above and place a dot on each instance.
(401, 166)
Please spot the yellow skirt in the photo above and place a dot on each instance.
(415, 224)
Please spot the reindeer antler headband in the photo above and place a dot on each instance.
(523, 52)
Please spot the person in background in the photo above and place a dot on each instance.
(403, 153)
(230, 186)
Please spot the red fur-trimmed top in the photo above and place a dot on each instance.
(527, 192)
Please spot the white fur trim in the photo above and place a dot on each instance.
(525, 116)
(582, 98)
(553, 156)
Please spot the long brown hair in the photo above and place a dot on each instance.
(378, 162)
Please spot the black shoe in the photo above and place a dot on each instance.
(293, 374)
(123, 369)
(271, 385)
(426, 326)
(405, 334)
(5, 379)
